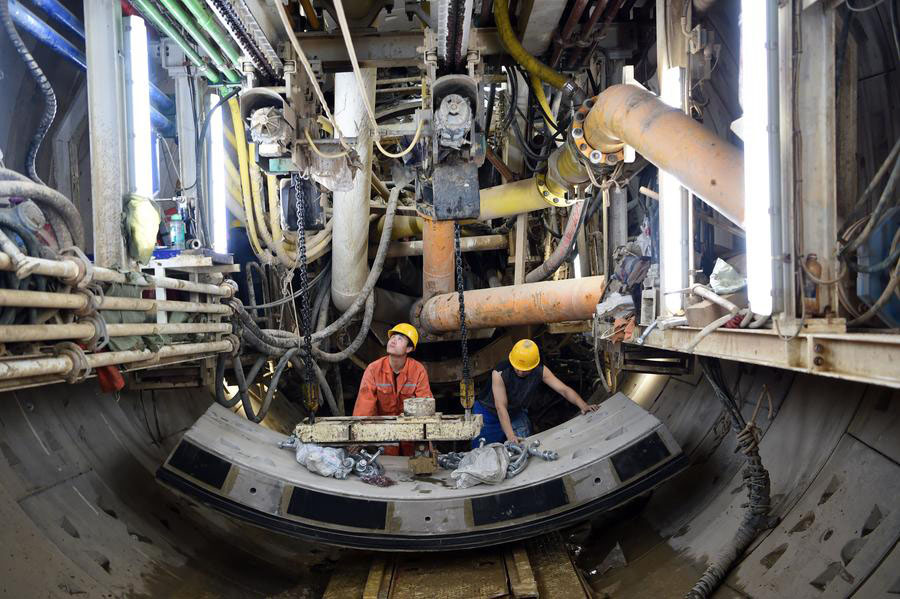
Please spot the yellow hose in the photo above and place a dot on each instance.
(256, 196)
(509, 40)
(244, 163)
(542, 100)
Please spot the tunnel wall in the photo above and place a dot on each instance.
(83, 513)
(832, 451)
(81, 506)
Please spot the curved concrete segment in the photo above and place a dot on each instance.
(606, 458)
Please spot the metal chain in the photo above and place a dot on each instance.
(310, 388)
(466, 388)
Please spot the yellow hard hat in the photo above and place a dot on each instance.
(407, 330)
(525, 355)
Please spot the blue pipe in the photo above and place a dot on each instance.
(61, 15)
(45, 34)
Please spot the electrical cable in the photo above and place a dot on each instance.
(875, 4)
(43, 84)
(295, 295)
(309, 72)
(409, 148)
(319, 152)
(882, 299)
(887, 196)
(348, 41)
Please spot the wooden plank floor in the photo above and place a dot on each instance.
(534, 569)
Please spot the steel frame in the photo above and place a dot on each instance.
(863, 357)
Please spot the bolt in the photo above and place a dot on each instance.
(611, 159)
(818, 360)
(818, 348)
(596, 156)
(578, 132)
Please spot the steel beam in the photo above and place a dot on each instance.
(107, 122)
(388, 50)
(867, 358)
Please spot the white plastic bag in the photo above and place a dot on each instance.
(326, 461)
(482, 465)
(725, 278)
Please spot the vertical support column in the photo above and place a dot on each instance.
(786, 279)
(618, 217)
(817, 194)
(675, 242)
(185, 125)
(107, 122)
(438, 258)
(521, 249)
(350, 234)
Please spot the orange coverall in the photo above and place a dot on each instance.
(382, 394)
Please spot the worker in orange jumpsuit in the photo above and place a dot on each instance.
(391, 379)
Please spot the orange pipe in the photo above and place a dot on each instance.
(530, 303)
(709, 166)
(438, 258)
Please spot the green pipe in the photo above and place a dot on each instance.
(208, 24)
(176, 10)
(163, 24)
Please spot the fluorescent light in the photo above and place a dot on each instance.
(757, 175)
(671, 209)
(217, 178)
(576, 266)
(139, 96)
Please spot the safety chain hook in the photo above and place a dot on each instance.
(310, 388)
(466, 385)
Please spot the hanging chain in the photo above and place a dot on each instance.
(466, 387)
(310, 388)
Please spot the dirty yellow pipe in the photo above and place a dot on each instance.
(529, 303)
(500, 201)
(511, 199)
(243, 163)
(438, 264)
(706, 164)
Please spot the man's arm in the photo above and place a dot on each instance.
(500, 404)
(366, 400)
(567, 392)
(423, 388)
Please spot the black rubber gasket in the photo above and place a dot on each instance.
(356, 539)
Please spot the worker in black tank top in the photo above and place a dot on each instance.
(505, 400)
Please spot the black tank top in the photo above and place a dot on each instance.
(520, 390)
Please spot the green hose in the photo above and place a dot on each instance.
(175, 9)
(520, 54)
(208, 23)
(163, 24)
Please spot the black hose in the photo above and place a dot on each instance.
(47, 198)
(43, 85)
(357, 341)
(198, 156)
(756, 479)
(565, 246)
(886, 263)
(887, 197)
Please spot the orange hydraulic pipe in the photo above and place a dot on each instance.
(438, 258)
(530, 303)
(709, 166)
